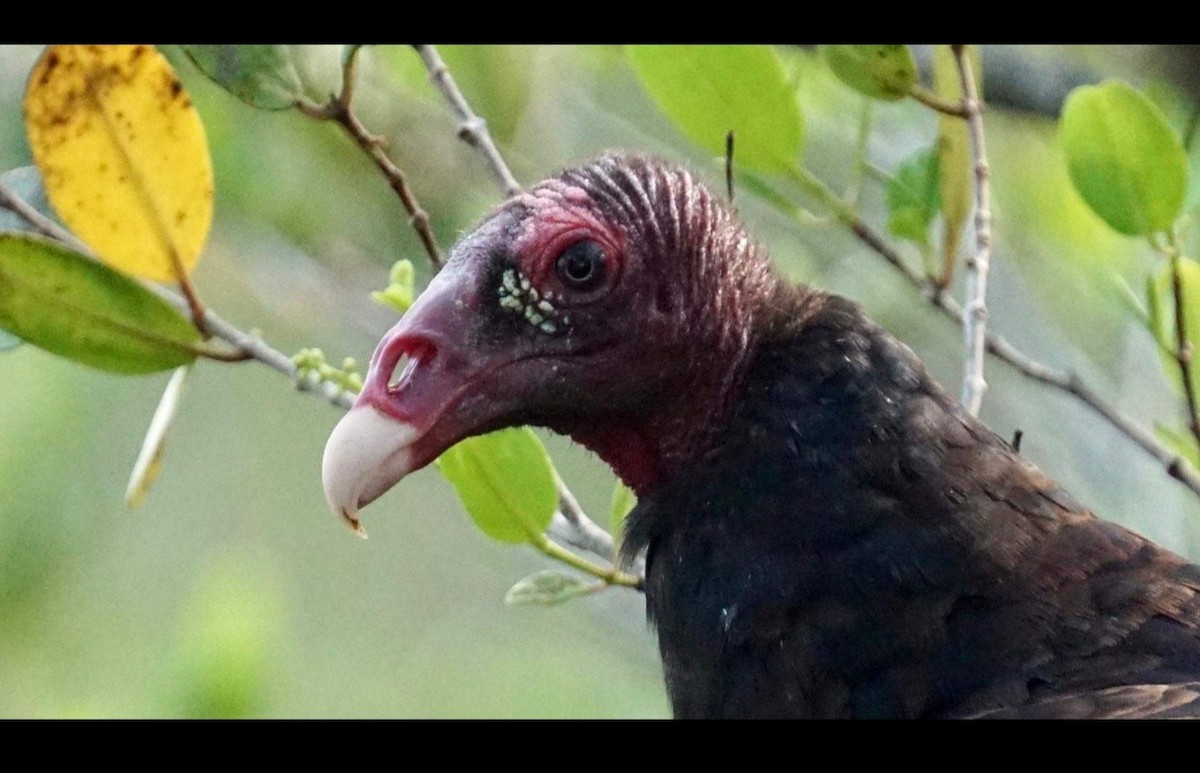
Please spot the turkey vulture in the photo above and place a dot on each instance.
(828, 533)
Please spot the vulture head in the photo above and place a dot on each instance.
(612, 303)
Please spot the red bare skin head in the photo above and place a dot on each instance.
(613, 303)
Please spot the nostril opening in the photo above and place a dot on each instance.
(403, 370)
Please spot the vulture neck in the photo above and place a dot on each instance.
(685, 423)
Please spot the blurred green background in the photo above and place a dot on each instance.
(234, 592)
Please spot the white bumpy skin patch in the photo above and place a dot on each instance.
(519, 296)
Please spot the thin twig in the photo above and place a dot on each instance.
(611, 575)
(975, 309)
(861, 147)
(190, 294)
(1072, 384)
(47, 227)
(246, 346)
(40, 223)
(571, 524)
(934, 102)
(471, 128)
(1183, 344)
(729, 165)
(338, 109)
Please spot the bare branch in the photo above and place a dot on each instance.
(1176, 466)
(40, 223)
(975, 311)
(339, 110)
(471, 128)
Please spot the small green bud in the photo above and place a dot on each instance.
(399, 294)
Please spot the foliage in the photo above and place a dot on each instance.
(886, 72)
(128, 171)
(709, 91)
(68, 304)
(1125, 160)
(123, 156)
(506, 483)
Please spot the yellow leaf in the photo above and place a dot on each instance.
(123, 155)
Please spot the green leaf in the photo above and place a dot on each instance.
(505, 481)
(398, 294)
(623, 500)
(547, 588)
(1181, 443)
(914, 197)
(1124, 158)
(261, 76)
(709, 90)
(25, 183)
(885, 72)
(83, 310)
(954, 154)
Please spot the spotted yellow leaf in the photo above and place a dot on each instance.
(123, 155)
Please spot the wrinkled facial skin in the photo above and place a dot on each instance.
(504, 336)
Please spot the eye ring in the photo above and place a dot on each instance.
(582, 266)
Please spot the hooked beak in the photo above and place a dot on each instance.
(366, 454)
(401, 421)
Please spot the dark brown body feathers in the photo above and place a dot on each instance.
(855, 544)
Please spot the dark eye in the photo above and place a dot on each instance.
(581, 266)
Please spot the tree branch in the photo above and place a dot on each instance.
(338, 109)
(471, 128)
(975, 312)
(1175, 465)
(248, 346)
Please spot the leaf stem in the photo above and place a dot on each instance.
(1183, 344)
(861, 145)
(190, 294)
(934, 102)
(610, 575)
